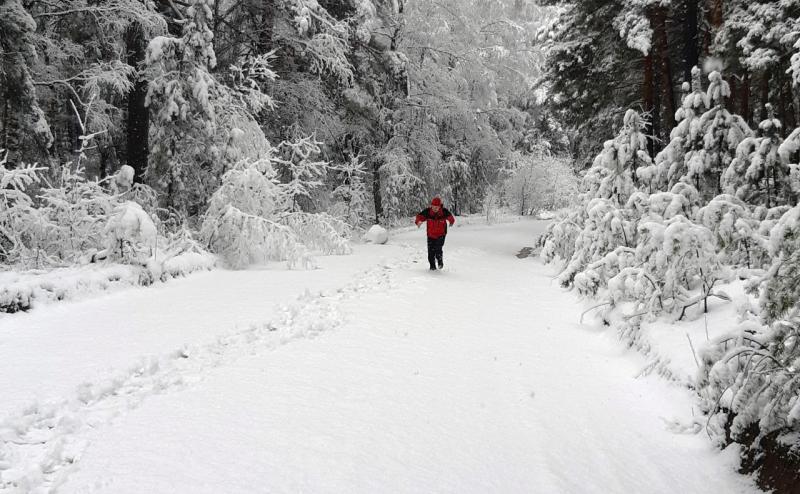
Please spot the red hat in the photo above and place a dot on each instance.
(437, 201)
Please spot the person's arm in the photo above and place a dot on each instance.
(449, 217)
(421, 217)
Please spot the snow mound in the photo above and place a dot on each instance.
(377, 235)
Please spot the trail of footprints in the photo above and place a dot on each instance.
(40, 445)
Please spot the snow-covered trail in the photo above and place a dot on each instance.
(476, 379)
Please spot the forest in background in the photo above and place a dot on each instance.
(607, 56)
(420, 97)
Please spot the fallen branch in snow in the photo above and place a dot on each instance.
(592, 308)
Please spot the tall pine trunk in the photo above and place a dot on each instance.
(691, 55)
(138, 121)
(648, 99)
(665, 66)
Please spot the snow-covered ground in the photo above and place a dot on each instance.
(371, 374)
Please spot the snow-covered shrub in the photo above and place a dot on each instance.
(76, 210)
(674, 267)
(758, 174)
(780, 287)
(240, 225)
(753, 372)
(21, 239)
(131, 235)
(605, 228)
(735, 231)
(252, 219)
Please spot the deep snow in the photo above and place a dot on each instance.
(381, 377)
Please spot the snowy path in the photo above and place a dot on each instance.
(477, 379)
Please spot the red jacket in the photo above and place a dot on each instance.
(437, 222)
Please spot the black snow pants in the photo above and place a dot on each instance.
(435, 251)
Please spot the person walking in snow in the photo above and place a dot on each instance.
(437, 217)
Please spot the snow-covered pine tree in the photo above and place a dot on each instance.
(600, 224)
(185, 159)
(735, 229)
(401, 187)
(788, 152)
(351, 192)
(758, 175)
(670, 162)
(721, 132)
(302, 172)
(17, 90)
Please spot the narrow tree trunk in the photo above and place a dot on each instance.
(764, 93)
(744, 107)
(691, 57)
(376, 190)
(668, 92)
(4, 141)
(647, 97)
(783, 104)
(138, 118)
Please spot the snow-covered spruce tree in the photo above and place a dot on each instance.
(17, 91)
(186, 158)
(600, 225)
(350, 193)
(752, 373)
(736, 232)
(670, 162)
(22, 238)
(758, 175)
(721, 132)
(788, 152)
(401, 187)
(301, 171)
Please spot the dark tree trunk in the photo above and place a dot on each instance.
(138, 118)
(744, 107)
(691, 56)
(668, 92)
(765, 77)
(376, 190)
(647, 97)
